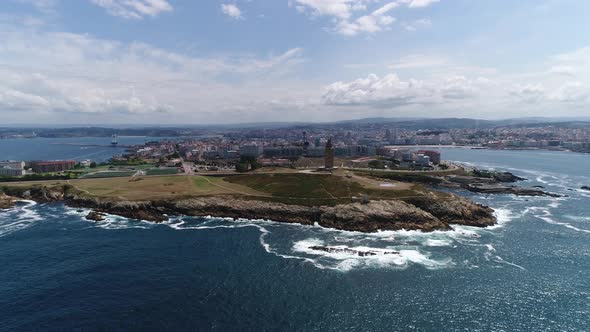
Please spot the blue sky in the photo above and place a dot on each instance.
(210, 61)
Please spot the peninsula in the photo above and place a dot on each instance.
(340, 199)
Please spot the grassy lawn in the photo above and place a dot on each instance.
(298, 185)
(159, 187)
(288, 188)
(320, 189)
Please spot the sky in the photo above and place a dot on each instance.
(207, 61)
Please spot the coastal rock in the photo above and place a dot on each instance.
(428, 215)
(95, 216)
(38, 193)
(498, 189)
(497, 176)
(379, 215)
(585, 188)
(348, 251)
(456, 210)
(6, 202)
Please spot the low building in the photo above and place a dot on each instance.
(422, 160)
(52, 166)
(9, 171)
(13, 164)
(433, 155)
(12, 168)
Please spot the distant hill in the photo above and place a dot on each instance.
(196, 129)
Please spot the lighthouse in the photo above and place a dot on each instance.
(114, 141)
(329, 155)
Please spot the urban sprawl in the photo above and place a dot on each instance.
(374, 146)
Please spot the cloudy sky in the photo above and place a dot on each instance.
(211, 61)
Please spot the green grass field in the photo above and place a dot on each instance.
(319, 189)
(288, 188)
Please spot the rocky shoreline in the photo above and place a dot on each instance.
(418, 214)
(6, 202)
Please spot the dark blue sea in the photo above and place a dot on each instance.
(531, 272)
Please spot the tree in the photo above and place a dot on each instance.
(377, 164)
(242, 167)
(93, 164)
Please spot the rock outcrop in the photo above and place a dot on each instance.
(426, 215)
(95, 216)
(497, 176)
(6, 202)
(348, 251)
(499, 189)
(456, 210)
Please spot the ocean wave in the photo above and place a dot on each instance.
(546, 215)
(293, 241)
(346, 258)
(18, 218)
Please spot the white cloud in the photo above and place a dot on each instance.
(528, 93)
(373, 90)
(572, 92)
(375, 21)
(338, 8)
(231, 10)
(353, 17)
(563, 70)
(419, 3)
(134, 9)
(391, 91)
(417, 24)
(44, 73)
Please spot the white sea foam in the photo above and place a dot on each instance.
(501, 260)
(549, 220)
(408, 245)
(578, 218)
(438, 243)
(18, 218)
(547, 216)
(347, 257)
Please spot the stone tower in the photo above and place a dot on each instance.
(329, 155)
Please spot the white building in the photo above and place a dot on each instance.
(12, 168)
(13, 164)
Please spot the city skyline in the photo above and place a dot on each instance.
(169, 62)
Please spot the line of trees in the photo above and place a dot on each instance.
(247, 163)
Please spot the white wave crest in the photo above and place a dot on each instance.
(345, 258)
(20, 217)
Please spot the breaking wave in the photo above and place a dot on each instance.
(20, 217)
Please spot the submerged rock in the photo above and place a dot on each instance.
(95, 216)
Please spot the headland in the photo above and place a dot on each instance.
(342, 199)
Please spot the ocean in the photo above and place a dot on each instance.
(40, 148)
(531, 272)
